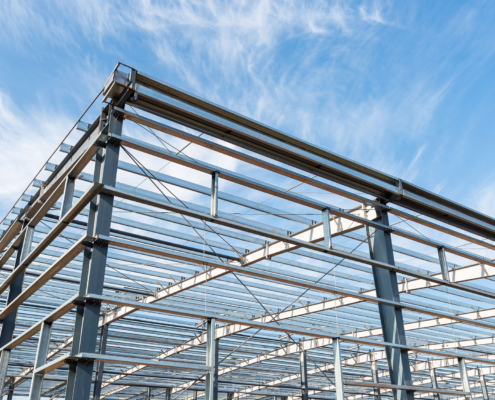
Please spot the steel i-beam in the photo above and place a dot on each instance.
(380, 245)
(41, 356)
(101, 364)
(211, 391)
(94, 264)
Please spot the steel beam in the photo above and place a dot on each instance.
(380, 245)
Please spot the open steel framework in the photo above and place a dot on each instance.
(192, 252)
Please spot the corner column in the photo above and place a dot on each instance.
(94, 261)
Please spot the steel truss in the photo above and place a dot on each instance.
(179, 250)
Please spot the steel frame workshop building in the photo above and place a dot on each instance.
(192, 252)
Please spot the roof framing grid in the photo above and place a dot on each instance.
(175, 248)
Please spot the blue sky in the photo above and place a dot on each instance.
(405, 87)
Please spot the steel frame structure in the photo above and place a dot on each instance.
(123, 280)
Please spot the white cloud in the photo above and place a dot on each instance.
(28, 137)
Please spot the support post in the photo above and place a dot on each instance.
(434, 384)
(94, 262)
(303, 361)
(148, 393)
(15, 289)
(464, 377)
(101, 364)
(374, 377)
(230, 396)
(168, 394)
(442, 257)
(327, 233)
(337, 363)
(211, 390)
(41, 355)
(380, 245)
(68, 196)
(10, 391)
(214, 194)
(484, 390)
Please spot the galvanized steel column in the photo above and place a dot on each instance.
(380, 245)
(94, 262)
(434, 384)
(214, 194)
(303, 361)
(374, 377)
(41, 354)
(464, 377)
(484, 390)
(337, 364)
(101, 364)
(211, 390)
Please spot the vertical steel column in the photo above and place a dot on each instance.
(68, 196)
(374, 377)
(337, 364)
(148, 393)
(168, 394)
(94, 262)
(327, 232)
(484, 390)
(195, 395)
(41, 354)
(211, 390)
(15, 289)
(10, 391)
(442, 257)
(380, 245)
(101, 364)
(214, 194)
(464, 377)
(303, 361)
(434, 384)
(230, 396)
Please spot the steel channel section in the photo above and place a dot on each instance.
(380, 246)
(101, 364)
(94, 265)
(15, 289)
(303, 362)
(211, 390)
(464, 377)
(214, 194)
(434, 384)
(339, 375)
(41, 357)
(374, 377)
(484, 390)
